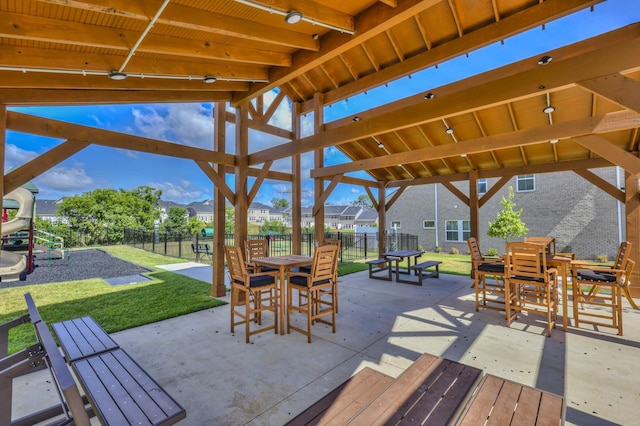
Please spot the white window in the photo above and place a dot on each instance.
(428, 224)
(458, 231)
(526, 183)
(482, 186)
(395, 224)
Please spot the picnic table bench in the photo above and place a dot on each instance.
(201, 250)
(434, 391)
(379, 265)
(422, 272)
(117, 390)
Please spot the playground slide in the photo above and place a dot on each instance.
(12, 264)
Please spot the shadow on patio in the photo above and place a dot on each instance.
(384, 325)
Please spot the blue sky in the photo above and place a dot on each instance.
(182, 181)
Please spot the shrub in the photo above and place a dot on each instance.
(602, 258)
(492, 251)
(420, 247)
(455, 250)
(438, 249)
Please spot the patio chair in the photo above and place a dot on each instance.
(307, 269)
(533, 283)
(621, 257)
(548, 242)
(489, 294)
(319, 290)
(259, 290)
(597, 294)
(257, 248)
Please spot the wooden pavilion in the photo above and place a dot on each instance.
(314, 54)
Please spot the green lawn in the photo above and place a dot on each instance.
(114, 307)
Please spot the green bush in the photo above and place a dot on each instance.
(492, 251)
(602, 258)
(455, 250)
(438, 249)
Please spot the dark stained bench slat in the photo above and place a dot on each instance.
(374, 268)
(121, 391)
(82, 337)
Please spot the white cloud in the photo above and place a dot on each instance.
(15, 156)
(181, 193)
(186, 124)
(65, 179)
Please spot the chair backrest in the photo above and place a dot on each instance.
(324, 263)
(548, 242)
(474, 250)
(623, 254)
(333, 242)
(628, 269)
(526, 260)
(256, 248)
(235, 263)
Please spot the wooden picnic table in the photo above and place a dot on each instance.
(398, 256)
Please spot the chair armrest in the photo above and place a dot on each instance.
(299, 274)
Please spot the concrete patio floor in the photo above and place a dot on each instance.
(221, 380)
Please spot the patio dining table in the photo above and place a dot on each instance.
(399, 255)
(284, 264)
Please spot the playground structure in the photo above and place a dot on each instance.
(12, 265)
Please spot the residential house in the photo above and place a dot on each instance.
(582, 218)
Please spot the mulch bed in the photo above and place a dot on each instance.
(82, 265)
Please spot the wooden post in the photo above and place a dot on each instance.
(382, 218)
(218, 288)
(632, 208)
(296, 185)
(242, 173)
(474, 205)
(318, 163)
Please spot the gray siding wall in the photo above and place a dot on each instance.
(582, 218)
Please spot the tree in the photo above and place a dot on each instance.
(271, 226)
(230, 220)
(109, 210)
(508, 223)
(176, 219)
(363, 200)
(279, 202)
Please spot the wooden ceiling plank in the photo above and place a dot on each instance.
(557, 75)
(622, 90)
(370, 23)
(313, 11)
(369, 54)
(605, 149)
(217, 180)
(181, 16)
(33, 168)
(456, 18)
(423, 32)
(622, 120)
(62, 130)
(526, 19)
(391, 3)
(597, 181)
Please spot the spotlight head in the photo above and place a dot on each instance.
(380, 145)
(549, 109)
(117, 75)
(429, 96)
(356, 118)
(209, 79)
(449, 131)
(293, 17)
(553, 141)
(544, 60)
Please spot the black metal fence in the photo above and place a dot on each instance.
(354, 246)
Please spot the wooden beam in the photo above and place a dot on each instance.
(218, 286)
(617, 88)
(258, 182)
(494, 189)
(618, 156)
(325, 194)
(53, 97)
(23, 174)
(621, 120)
(62, 130)
(470, 96)
(390, 202)
(528, 18)
(455, 191)
(218, 180)
(373, 199)
(597, 181)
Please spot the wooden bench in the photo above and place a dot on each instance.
(434, 391)
(379, 265)
(117, 390)
(422, 272)
(201, 250)
(501, 401)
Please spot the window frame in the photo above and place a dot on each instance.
(525, 179)
(424, 226)
(462, 233)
